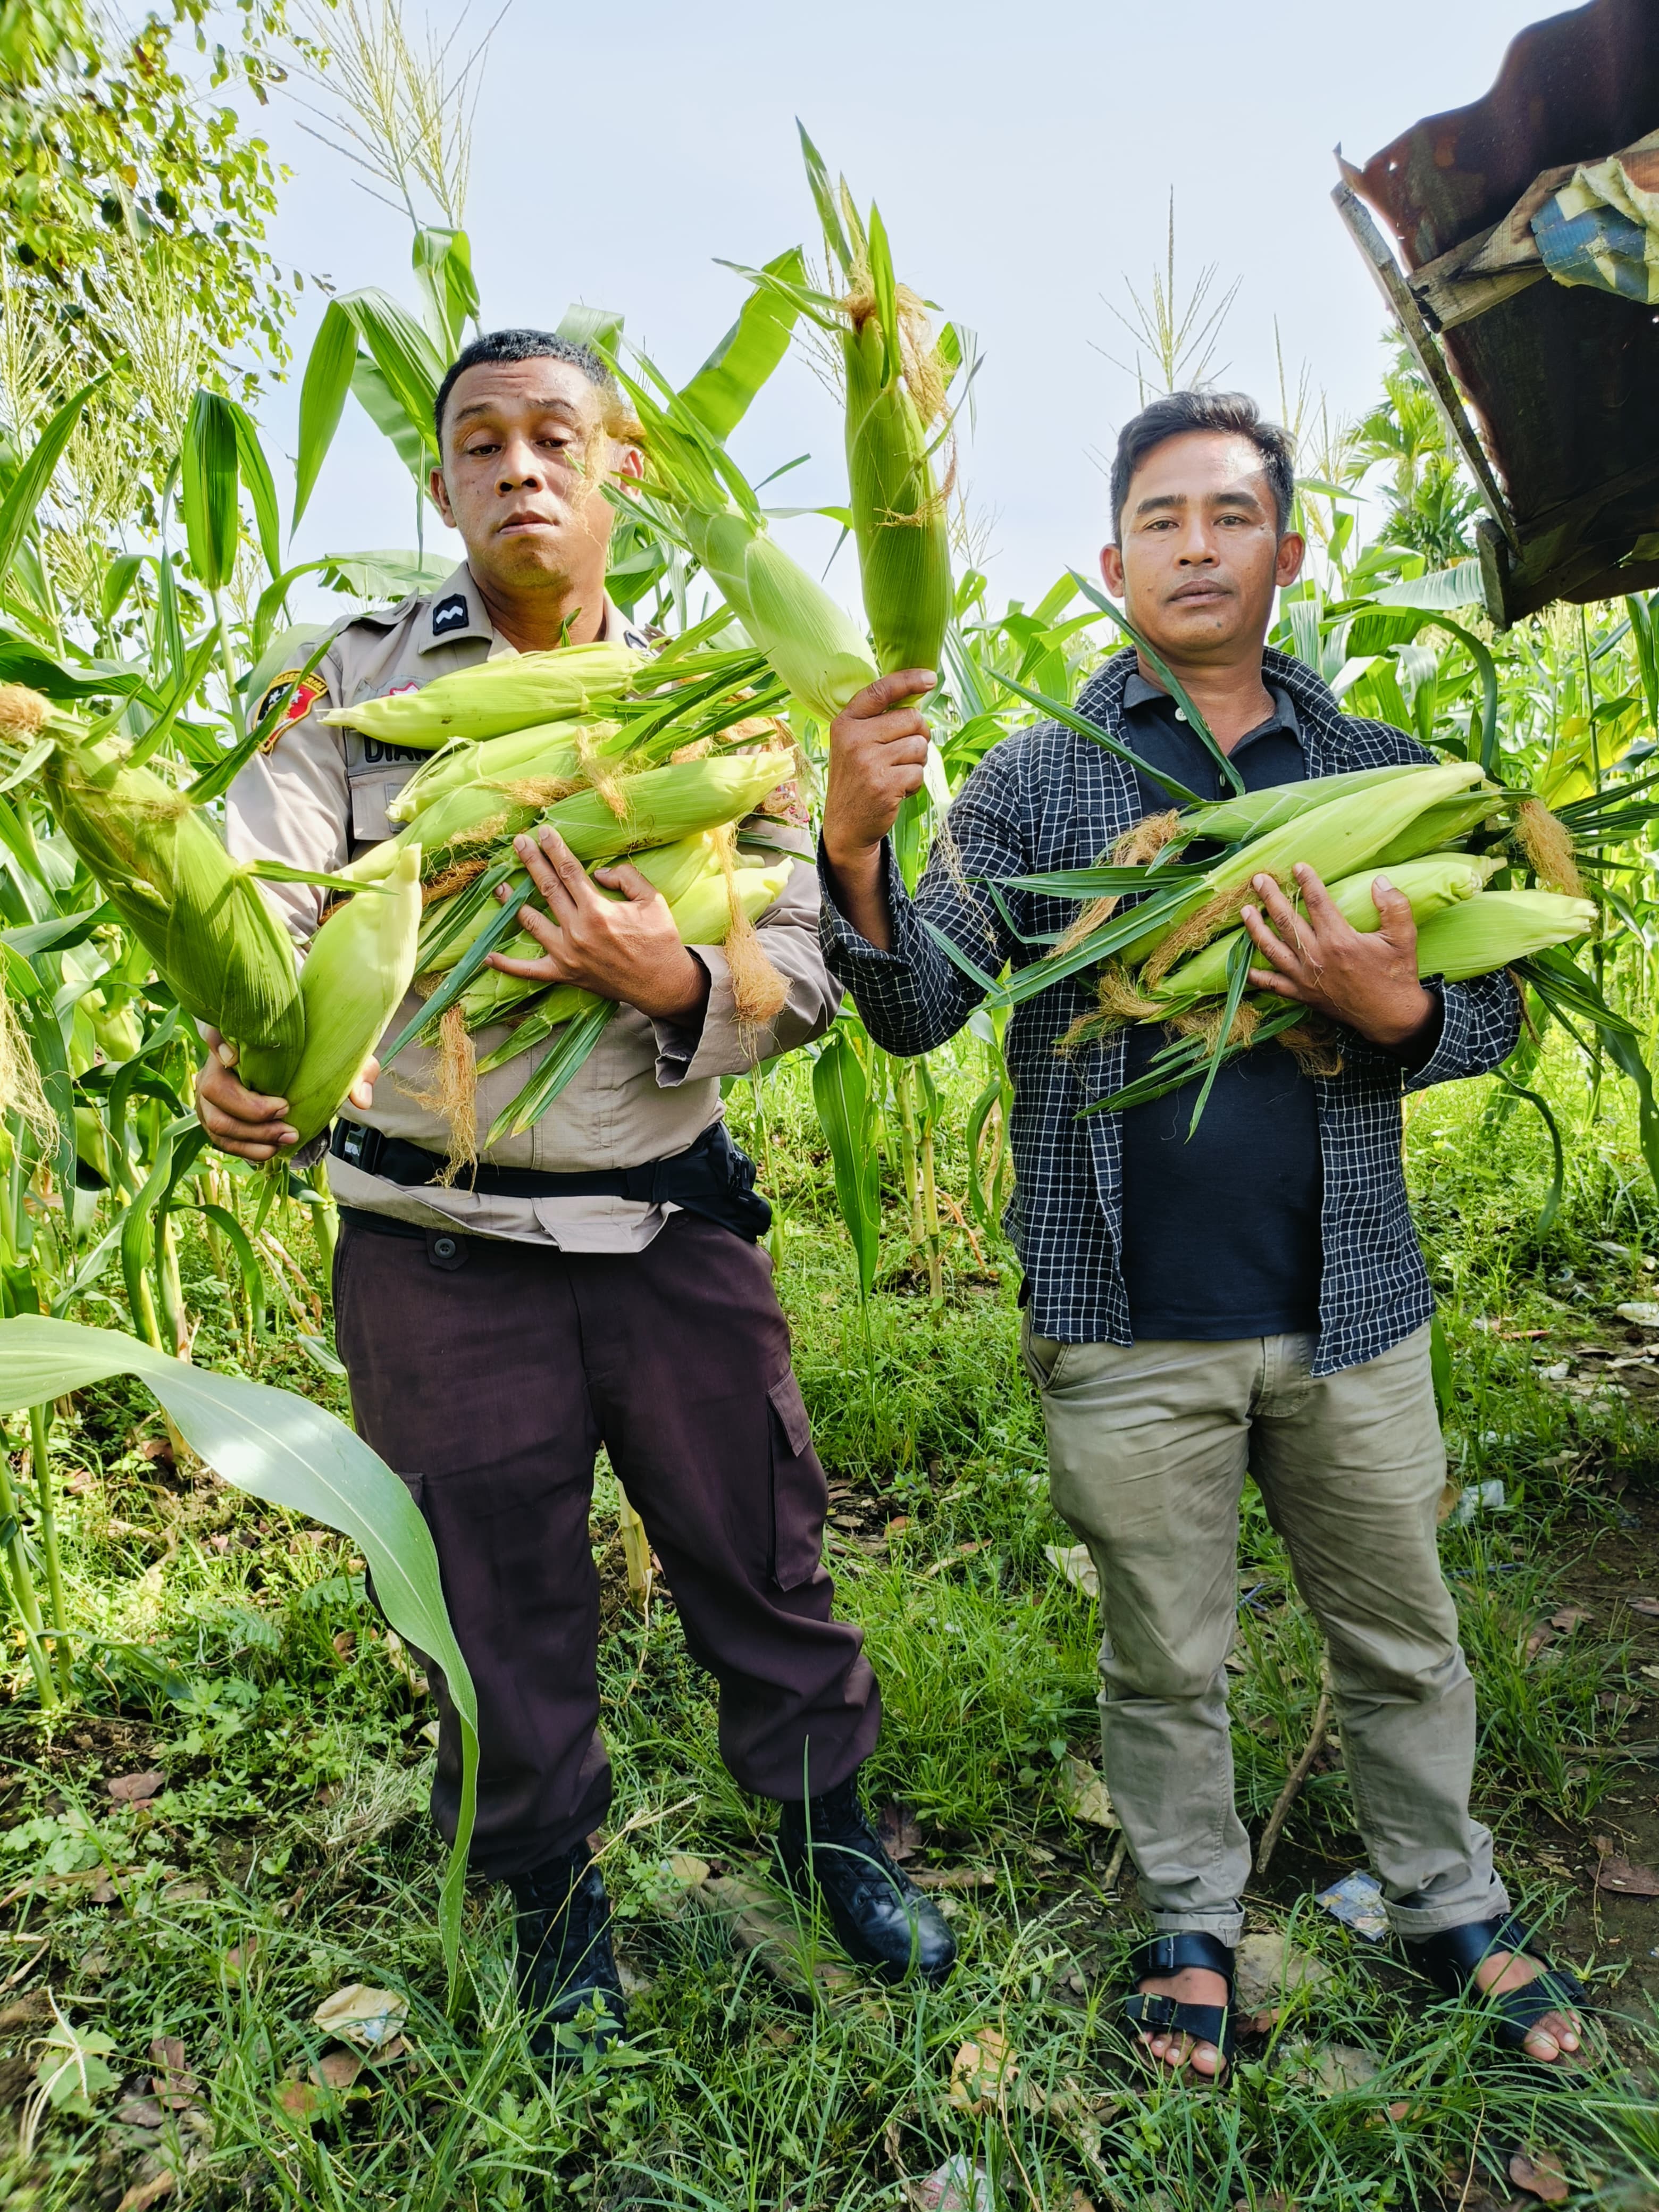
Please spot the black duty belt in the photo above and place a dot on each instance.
(712, 1178)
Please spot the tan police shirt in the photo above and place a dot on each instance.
(316, 796)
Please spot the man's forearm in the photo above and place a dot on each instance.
(858, 885)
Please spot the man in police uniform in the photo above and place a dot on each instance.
(587, 1286)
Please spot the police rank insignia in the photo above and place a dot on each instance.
(450, 614)
(305, 692)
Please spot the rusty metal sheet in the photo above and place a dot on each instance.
(1563, 381)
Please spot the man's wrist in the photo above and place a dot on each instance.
(685, 1006)
(1400, 1034)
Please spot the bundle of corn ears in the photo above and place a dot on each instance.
(1163, 930)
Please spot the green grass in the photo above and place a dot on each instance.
(289, 1855)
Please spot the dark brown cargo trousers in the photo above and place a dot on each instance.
(489, 1374)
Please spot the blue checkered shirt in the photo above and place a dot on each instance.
(1049, 798)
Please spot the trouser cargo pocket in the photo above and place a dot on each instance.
(800, 1497)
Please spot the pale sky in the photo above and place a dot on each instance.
(1022, 157)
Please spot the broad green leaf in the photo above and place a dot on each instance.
(404, 354)
(283, 1449)
(208, 488)
(23, 663)
(118, 579)
(840, 1094)
(322, 398)
(599, 327)
(1456, 586)
(261, 490)
(29, 487)
(443, 270)
(722, 389)
(387, 411)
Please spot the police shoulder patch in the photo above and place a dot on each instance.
(304, 693)
(450, 614)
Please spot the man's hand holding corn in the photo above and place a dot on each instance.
(1368, 980)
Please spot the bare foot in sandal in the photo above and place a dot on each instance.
(1558, 2034)
(1192, 1985)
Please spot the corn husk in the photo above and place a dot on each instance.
(1335, 840)
(1430, 884)
(814, 646)
(497, 696)
(354, 980)
(202, 918)
(1496, 930)
(546, 750)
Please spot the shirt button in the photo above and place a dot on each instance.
(1181, 713)
(444, 1247)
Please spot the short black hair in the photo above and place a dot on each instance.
(520, 345)
(1178, 412)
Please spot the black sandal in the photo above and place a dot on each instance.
(1450, 1959)
(1148, 2012)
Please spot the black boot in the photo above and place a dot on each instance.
(565, 1959)
(881, 1919)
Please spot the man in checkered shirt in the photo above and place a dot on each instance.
(1252, 1298)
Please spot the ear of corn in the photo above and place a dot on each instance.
(497, 696)
(814, 646)
(1496, 930)
(1252, 814)
(204, 919)
(549, 749)
(354, 980)
(1334, 841)
(1440, 880)
(663, 805)
(1441, 824)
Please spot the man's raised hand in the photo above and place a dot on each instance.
(877, 754)
(626, 949)
(1368, 980)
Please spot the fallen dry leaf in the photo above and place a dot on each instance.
(952, 1877)
(982, 2071)
(1538, 1640)
(1648, 1605)
(1569, 1618)
(134, 1789)
(1076, 1563)
(174, 2086)
(301, 2100)
(756, 1921)
(1618, 1875)
(363, 2015)
(345, 1642)
(183, 1893)
(141, 2112)
(1085, 1795)
(1268, 1966)
(687, 1870)
(240, 1956)
(23, 2012)
(148, 2192)
(337, 2069)
(1540, 2177)
(901, 1839)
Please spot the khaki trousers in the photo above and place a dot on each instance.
(1148, 1447)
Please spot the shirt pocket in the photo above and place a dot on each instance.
(800, 1497)
(372, 788)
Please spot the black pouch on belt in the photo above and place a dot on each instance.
(711, 1177)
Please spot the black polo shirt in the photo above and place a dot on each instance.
(1220, 1230)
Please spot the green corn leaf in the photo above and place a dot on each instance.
(260, 487)
(720, 391)
(23, 663)
(282, 1449)
(208, 488)
(581, 1033)
(29, 487)
(1238, 974)
(840, 1094)
(599, 327)
(1068, 718)
(322, 398)
(1552, 1205)
(442, 261)
(118, 579)
(824, 198)
(1195, 722)
(386, 412)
